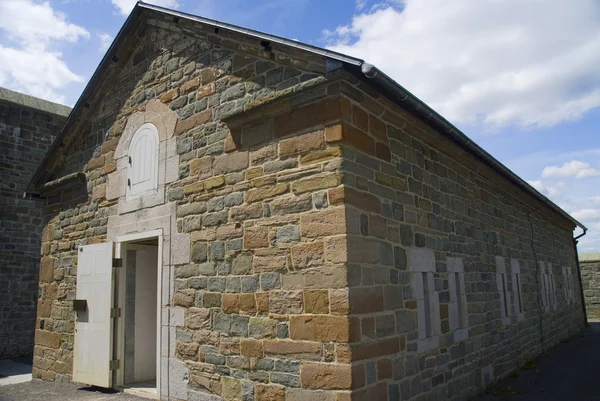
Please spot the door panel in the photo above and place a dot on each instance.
(93, 329)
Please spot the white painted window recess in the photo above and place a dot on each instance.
(142, 170)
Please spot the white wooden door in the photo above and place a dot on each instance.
(93, 328)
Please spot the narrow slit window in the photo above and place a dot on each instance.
(505, 295)
(427, 300)
(502, 286)
(515, 268)
(457, 308)
(543, 281)
(553, 290)
(519, 300)
(459, 300)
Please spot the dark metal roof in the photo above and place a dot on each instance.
(367, 72)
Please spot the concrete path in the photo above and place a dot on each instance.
(567, 372)
(14, 371)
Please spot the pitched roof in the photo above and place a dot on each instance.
(363, 70)
(23, 100)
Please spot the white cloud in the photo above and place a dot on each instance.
(125, 6)
(587, 214)
(574, 169)
(555, 190)
(30, 65)
(105, 41)
(528, 63)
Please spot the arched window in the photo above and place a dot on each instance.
(142, 171)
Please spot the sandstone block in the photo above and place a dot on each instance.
(198, 318)
(293, 349)
(269, 263)
(325, 223)
(256, 237)
(258, 194)
(316, 301)
(231, 162)
(291, 204)
(264, 392)
(307, 255)
(319, 156)
(251, 348)
(193, 121)
(315, 183)
(326, 376)
(320, 328)
(201, 167)
(301, 144)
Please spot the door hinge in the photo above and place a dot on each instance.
(117, 262)
(115, 312)
(114, 364)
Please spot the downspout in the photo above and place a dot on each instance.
(537, 279)
(585, 318)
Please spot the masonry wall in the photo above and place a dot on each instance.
(258, 310)
(590, 277)
(304, 203)
(25, 135)
(417, 203)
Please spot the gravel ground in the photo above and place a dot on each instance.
(38, 390)
(567, 372)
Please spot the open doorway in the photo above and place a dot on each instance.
(137, 334)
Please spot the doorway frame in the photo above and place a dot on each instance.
(120, 245)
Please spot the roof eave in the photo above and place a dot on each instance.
(32, 187)
(364, 70)
(430, 116)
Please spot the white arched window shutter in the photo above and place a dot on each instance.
(142, 171)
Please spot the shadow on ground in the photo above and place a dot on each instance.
(567, 372)
(38, 390)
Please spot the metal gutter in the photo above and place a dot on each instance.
(417, 106)
(575, 242)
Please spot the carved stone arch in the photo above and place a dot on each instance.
(163, 119)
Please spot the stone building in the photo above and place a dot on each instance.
(590, 277)
(236, 216)
(27, 127)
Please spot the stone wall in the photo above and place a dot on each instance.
(25, 135)
(590, 277)
(420, 208)
(311, 210)
(262, 300)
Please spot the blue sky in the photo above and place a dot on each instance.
(524, 85)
